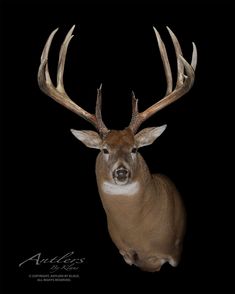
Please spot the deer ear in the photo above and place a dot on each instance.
(148, 136)
(90, 138)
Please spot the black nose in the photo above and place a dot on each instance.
(121, 174)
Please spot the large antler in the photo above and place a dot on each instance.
(183, 83)
(58, 93)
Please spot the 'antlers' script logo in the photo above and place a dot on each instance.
(66, 262)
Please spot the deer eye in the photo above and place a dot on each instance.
(105, 150)
(134, 150)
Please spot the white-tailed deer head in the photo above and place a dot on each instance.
(145, 214)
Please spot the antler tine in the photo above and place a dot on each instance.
(58, 93)
(43, 73)
(101, 126)
(194, 57)
(135, 111)
(165, 60)
(62, 58)
(183, 84)
(178, 52)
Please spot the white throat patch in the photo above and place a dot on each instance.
(125, 190)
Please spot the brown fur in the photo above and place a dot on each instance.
(146, 227)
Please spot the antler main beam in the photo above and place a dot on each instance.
(183, 84)
(58, 92)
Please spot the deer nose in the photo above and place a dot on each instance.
(121, 174)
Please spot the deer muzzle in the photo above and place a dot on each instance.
(121, 175)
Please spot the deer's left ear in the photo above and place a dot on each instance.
(148, 136)
(90, 138)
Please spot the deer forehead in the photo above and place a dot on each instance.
(123, 138)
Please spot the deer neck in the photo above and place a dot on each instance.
(132, 200)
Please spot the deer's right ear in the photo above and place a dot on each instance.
(90, 138)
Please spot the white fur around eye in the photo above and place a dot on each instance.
(106, 153)
(106, 157)
(133, 155)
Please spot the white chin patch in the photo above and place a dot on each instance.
(120, 189)
(121, 182)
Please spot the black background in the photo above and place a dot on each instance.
(49, 199)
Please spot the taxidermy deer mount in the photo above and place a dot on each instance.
(145, 214)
